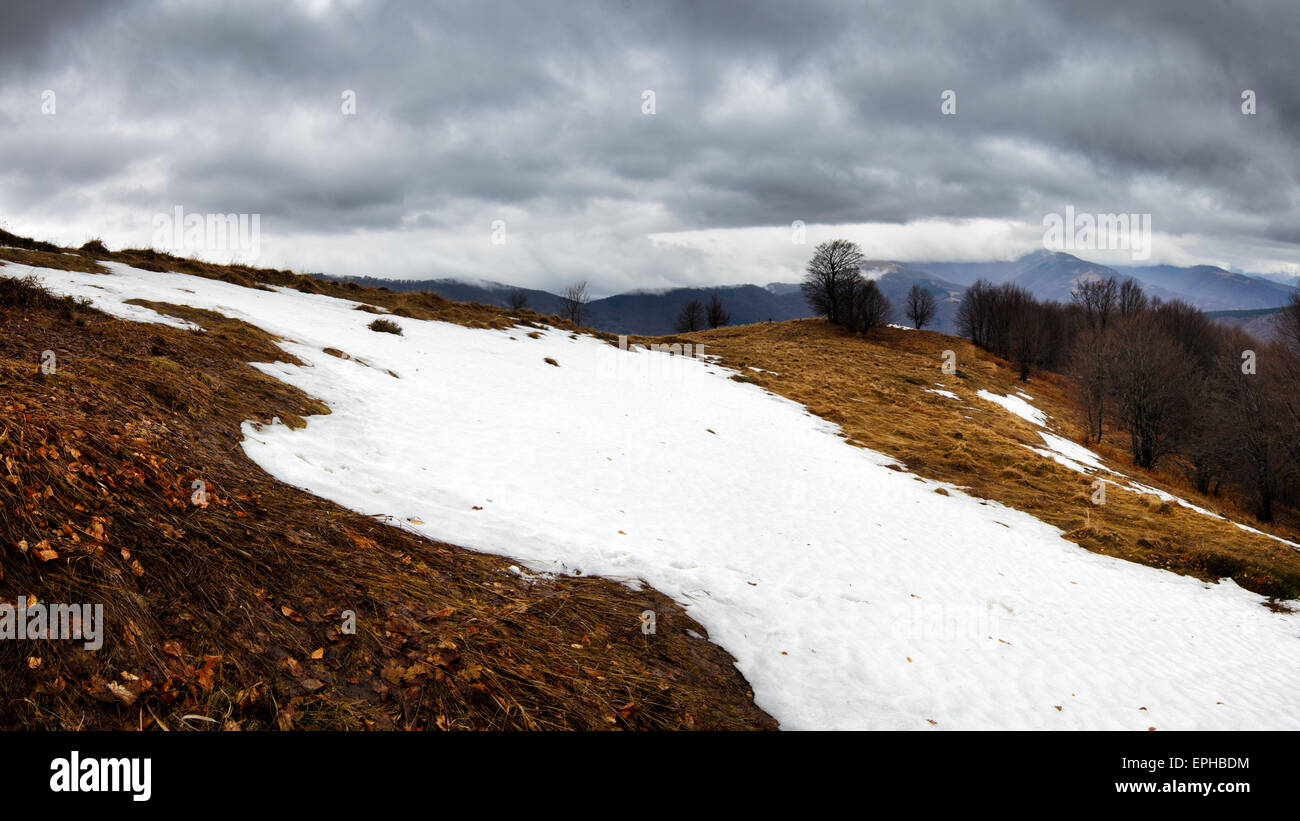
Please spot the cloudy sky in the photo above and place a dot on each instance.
(517, 141)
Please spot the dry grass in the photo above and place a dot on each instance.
(58, 260)
(418, 305)
(451, 638)
(234, 610)
(872, 388)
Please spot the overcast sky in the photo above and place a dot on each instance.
(535, 115)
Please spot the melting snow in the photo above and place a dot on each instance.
(1076, 457)
(1017, 406)
(948, 394)
(851, 595)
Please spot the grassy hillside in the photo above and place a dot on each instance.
(231, 611)
(234, 610)
(875, 389)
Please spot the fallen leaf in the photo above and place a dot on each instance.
(208, 671)
(121, 693)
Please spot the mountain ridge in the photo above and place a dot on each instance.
(1049, 275)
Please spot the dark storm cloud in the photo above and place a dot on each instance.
(767, 112)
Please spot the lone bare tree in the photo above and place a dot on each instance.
(691, 317)
(921, 306)
(574, 301)
(835, 268)
(715, 314)
(518, 300)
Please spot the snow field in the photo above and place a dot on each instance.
(852, 595)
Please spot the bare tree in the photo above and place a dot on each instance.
(1207, 452)
(975, 313)
(1188, 326)
(1098, 298)
(1008, 306)
(715, 314)
(921, 306)
(691, 317)
(833, 272)
(1027, 338)
(1132, 299)
(574, 302)
(868, 307)
(1283, 368)
(1090, 368)
(518, 300)
(1251, 410)
(1151, 375)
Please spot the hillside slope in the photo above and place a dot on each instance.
(234, 610)
(852, 592)
(1261, 323)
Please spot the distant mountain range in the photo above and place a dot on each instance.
(1047, 274)
(636, 312)
(1052, 274)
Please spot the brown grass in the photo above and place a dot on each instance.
(450, 637)
(233, 610)
(52, 259)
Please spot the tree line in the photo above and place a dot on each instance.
(1206, 399)
(696, 315)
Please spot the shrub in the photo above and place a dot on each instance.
(385, 326)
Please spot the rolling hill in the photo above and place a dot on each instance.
(871, 539)
(1213, 289)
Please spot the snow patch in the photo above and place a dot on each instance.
(1017, 406)
(852, 595)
